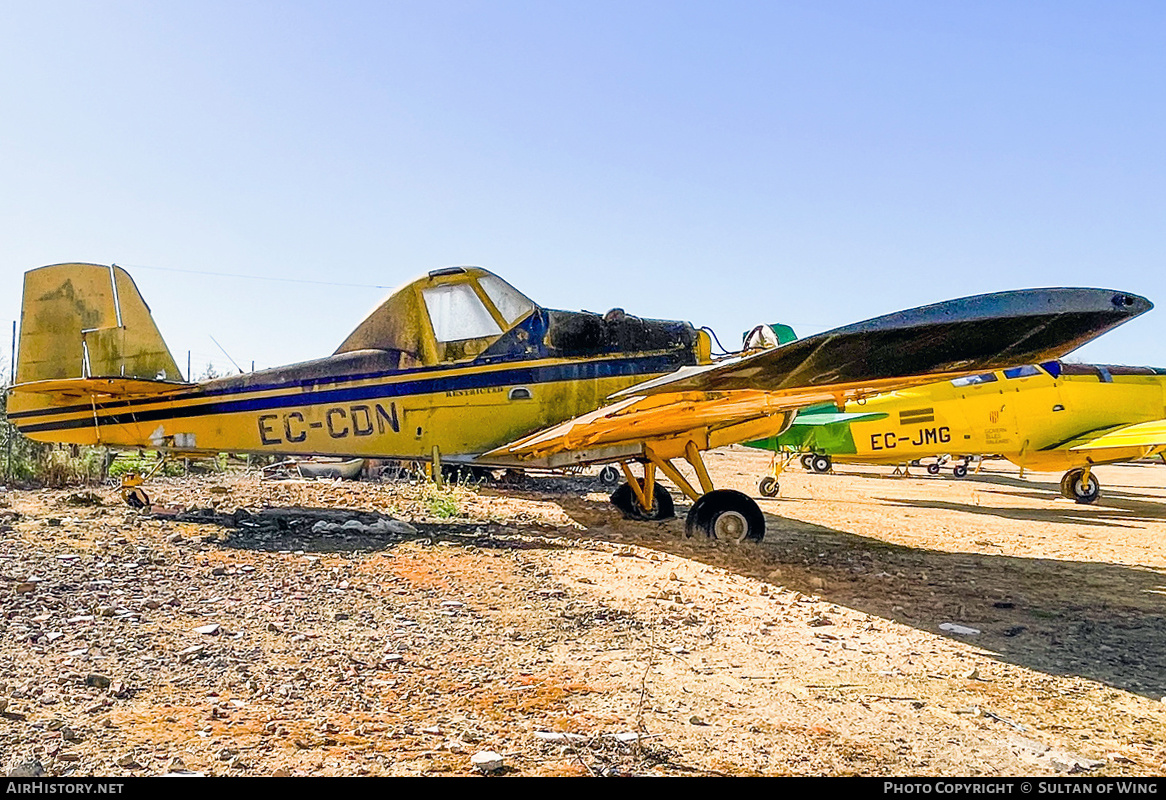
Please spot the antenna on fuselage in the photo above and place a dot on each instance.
(228, 355)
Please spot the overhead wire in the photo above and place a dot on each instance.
(259, 277)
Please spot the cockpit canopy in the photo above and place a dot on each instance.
(461, 313)
(448, 315)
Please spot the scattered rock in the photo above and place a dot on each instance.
(128, 761)
(487, 761)
(25, 767)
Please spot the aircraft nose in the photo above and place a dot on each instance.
(1132, 304)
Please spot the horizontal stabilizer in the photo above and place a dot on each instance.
(78, 388)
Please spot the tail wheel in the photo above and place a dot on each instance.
(624, 499)
(807, 462)
(932, 469)
(768, 487)
(1079, 487)
(960, 470)
(820, 463)
(136, 498)
(609, 475)
(726, 514)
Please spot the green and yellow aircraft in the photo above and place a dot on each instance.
(459, 365)
(1051, 417)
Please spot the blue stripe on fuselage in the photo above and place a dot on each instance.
(571, 371)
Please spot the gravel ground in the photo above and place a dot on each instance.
(299, 628)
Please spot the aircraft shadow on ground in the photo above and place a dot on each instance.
(1045, 490)
(1100, 621)
(1117, 514)
(263, 532)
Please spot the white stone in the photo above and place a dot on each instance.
(487, 761)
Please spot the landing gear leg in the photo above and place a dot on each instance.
(722, 514)
(631, 498)
(770, 485)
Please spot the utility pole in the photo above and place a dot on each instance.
(8, 393)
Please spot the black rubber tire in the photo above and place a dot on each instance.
(624, 499)
(609, 475)
(768, 487)
(821, 464)
(807, 461)
(932, 469)
(960, 470)
(136, 498)
(1086, 495)
(728, 510)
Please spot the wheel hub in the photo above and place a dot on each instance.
(731, 525)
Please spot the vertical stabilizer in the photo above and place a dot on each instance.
(88, 321)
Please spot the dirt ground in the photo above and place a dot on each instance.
(534, 623)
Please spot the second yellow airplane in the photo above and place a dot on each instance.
(1045, 418)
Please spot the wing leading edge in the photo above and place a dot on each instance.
(756, 396)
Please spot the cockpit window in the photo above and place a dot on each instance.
(456, 313)
(1021, 372)
(511, 303)
(972, 380)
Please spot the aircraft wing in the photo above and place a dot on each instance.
(1144, 434)
(755, 396)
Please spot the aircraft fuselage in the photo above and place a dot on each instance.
(1024, 415)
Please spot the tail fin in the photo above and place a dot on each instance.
(88, 321)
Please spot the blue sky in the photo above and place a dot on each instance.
(726, 163)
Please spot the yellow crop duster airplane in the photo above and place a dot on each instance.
(1050, 417)
(459, 365)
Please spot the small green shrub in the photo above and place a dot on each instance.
(441, 503)
(141, 465)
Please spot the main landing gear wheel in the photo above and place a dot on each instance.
(1080, 487)
(624, 499)
(960, 470)
(820, 463)
(768, 487)
(932, 469)
(807, 461)
(609, 475)
(726, 514)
